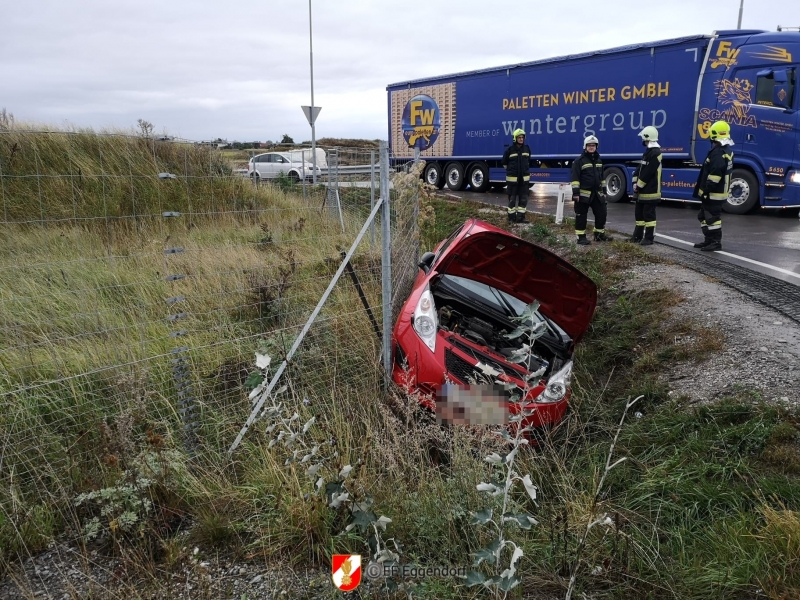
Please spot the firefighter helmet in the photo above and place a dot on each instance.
(518, 132)
(590, 140)
(649, 134)
(720, 129)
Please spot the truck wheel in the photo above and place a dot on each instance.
(454, 175)
(479, 178)
(616, 184)
(433, 175)
(743, 193)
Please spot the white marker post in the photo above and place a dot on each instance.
(562, 195)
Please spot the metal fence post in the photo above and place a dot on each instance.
(372, 197)
(336, 188)
(386, 262)
(303, 171)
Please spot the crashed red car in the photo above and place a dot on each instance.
(468, 295)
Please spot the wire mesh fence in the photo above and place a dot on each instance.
(138, 278)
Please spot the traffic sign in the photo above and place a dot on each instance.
(311, 117)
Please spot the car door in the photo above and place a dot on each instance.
(281, 165)
(261, 166)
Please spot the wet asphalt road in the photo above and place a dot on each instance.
(770, 237)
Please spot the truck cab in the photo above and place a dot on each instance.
(750, 80)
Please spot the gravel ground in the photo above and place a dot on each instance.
(64, 573)
(762, 347)
(761, 353)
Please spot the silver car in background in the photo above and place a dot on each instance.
(270, 165)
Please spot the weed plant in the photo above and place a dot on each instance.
(706, 504)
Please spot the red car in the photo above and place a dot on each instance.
(468, 295)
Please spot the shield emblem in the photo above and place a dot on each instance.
(346, 569)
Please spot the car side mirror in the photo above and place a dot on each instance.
(426, 261)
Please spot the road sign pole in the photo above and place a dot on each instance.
(313, 116)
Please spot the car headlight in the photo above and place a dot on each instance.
(425, 321)
(557, 385)
(794, 177)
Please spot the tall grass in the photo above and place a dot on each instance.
(705, 506)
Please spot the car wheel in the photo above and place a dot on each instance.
(454, 176)
(479, 178)
(433, 175)
(743, 193)
(256, 178)
(616, 184)
(295, 177)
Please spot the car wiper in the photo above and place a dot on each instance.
(509, 309)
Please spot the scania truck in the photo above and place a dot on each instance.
(460, 124)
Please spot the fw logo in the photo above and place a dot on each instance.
(726, 55)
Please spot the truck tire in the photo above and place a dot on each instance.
(433, 175)
(454, 176)
(479, 178)
(743, 193)
(616, 184)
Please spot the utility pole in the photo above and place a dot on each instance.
(313, 131)
(738, 25)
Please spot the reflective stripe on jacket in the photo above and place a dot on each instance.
(647, 176)
(517, 161)
(587, 175)
(714, 181)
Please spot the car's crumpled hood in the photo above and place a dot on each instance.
(528, 272)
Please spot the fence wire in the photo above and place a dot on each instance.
(137, 280)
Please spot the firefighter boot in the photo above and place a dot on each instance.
(649, 233)
(600, 236)
(582, 241)
(637, 234)
(707, 241)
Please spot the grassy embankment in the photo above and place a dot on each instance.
(707, 504)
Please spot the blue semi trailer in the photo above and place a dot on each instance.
(462, 123)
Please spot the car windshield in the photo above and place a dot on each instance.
(498, 300)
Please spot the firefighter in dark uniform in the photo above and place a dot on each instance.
(647, 188)
(589, 191)
(713, 185)
(517, 163)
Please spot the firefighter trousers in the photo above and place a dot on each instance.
(645, 214)
(599, 209)
(710, 217)
(517, 197)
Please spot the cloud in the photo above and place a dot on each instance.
(240, 70)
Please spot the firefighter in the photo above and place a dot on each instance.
(589, 191)
(713, 185)
(517, 163)
(647, 188)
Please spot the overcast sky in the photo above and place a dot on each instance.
(240, 70)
